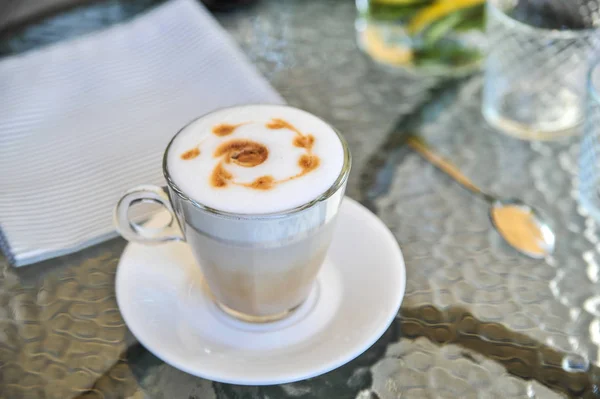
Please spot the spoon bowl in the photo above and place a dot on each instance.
(523, 227)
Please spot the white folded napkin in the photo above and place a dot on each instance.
(84, 120)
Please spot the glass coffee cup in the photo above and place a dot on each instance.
(259, 267)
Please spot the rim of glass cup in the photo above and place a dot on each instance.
(341, 179)
(493, 7)
(594, 91)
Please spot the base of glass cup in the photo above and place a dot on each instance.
(256, 319)
(529, 132)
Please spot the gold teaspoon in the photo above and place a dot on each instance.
(521, 226)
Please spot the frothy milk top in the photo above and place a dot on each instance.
(255, 159)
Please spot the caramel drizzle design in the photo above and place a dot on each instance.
(248, 154)
(190, 154)
(225, 129)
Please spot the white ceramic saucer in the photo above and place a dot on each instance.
(357, 295)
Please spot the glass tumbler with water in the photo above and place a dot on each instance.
(535, 71)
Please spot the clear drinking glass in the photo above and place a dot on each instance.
(429, 37)
(539, 52)
(589, 158)
(258, 267)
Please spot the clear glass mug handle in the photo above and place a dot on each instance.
(132, 231)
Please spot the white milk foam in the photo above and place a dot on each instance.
(194, 174)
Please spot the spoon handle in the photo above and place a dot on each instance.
(423, 149)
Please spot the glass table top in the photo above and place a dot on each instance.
(478, 320)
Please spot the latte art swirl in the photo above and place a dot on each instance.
(248, 154)
(255, 159)
(245, 153)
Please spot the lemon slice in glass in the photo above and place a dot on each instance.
(438, 10)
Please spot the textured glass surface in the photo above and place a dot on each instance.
(459, 265)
